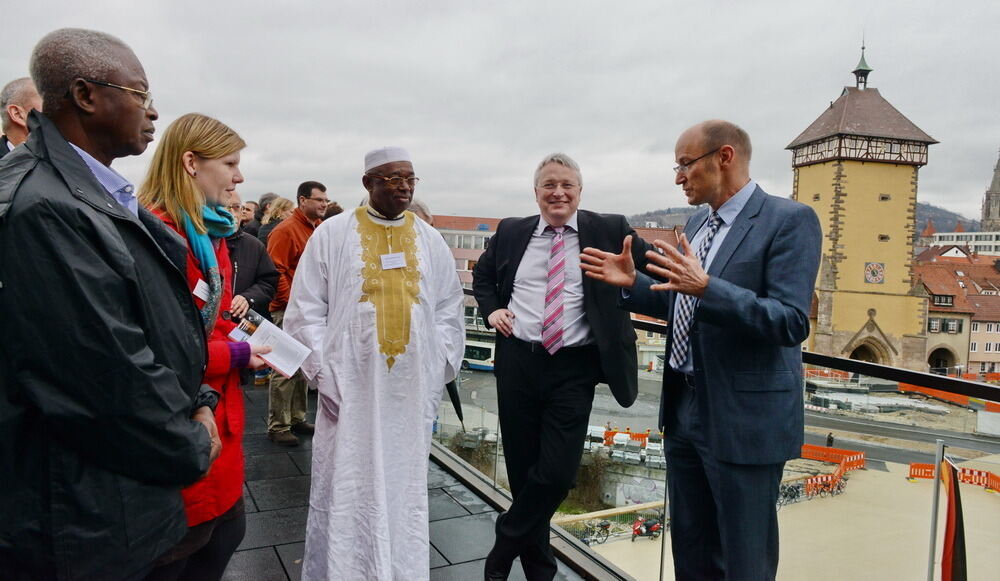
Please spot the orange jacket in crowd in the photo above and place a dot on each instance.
(285, 245)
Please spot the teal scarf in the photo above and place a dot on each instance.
(219, 224)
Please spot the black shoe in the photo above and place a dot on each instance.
(284, 438)
(304, 428)
(497, 568)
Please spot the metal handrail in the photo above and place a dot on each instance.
(944, 383)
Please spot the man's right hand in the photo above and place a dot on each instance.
(502, 320)
(205, 415)
(614, 269)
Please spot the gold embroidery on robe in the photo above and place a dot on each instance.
(392, 292)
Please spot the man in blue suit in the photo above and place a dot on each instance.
(737, 294)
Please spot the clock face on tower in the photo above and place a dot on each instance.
(874, 272)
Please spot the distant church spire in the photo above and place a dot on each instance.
(862, 70)
(991, 203)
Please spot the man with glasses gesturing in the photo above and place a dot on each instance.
(737, 298)
(286, 405)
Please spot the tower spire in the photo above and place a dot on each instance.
(862, 70)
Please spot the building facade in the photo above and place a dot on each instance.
(857, 167)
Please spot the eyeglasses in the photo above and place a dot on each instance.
(234, 208)
(684, 167)
(396, 181)
(147, 97)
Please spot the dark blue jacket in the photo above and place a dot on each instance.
(748, 330)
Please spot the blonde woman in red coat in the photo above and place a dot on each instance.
(194, 168)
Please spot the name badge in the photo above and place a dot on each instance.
(391, 261)
(202, 290)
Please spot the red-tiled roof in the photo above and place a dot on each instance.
(929, 230)
(940, 280)
(987, 308)
(669, 235)
(936, 254)
(965, 282)
(442, 222)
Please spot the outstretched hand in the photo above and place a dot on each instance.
(683, 272)
(614, 269)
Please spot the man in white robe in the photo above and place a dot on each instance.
(377, 298)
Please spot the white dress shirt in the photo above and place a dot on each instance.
(528, 300)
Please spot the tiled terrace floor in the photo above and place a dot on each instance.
(277, 498)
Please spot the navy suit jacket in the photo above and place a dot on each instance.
(747, 331)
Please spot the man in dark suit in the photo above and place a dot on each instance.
(559, 334)
(738, 298)
(17, 99)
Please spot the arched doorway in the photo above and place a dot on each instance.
(864, 352)
(942, 360)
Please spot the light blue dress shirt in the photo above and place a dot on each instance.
(728, 212)
(117, 186)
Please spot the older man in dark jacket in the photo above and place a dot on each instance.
(103, 419)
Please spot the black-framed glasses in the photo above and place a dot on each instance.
(396, 181)
(684, 167)
(147, 97)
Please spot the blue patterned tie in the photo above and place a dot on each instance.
(685, 306)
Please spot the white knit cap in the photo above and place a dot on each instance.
(385, 155)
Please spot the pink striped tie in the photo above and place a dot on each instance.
(552, 320)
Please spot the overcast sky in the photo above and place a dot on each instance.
(479, 92)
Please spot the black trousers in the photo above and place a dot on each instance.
(544, 404)
(207, 548)
(723, 522)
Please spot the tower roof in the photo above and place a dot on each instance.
(995, 184)
(862, 65)
(929, 230)
(862, 112)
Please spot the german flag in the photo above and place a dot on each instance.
(953, 564)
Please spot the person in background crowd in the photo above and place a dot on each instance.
(17, 99)
(254, 276)
(332, 210)
(287, 401)
(386, 334)
(103, 420)
(277, 210)
(262, 205)
(193, 171)
(419, 208)
(248, 213)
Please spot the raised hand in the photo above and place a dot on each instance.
(614, 269)
(683, 272)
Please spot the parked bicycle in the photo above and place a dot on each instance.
(596, 532)
(788, 494)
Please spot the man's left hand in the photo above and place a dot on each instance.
(683, 272)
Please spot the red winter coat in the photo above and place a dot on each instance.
(218, 490)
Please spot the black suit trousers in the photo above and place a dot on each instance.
(544, 404)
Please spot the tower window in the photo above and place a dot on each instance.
(815, 197)
(883, 237)
(884, 197)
